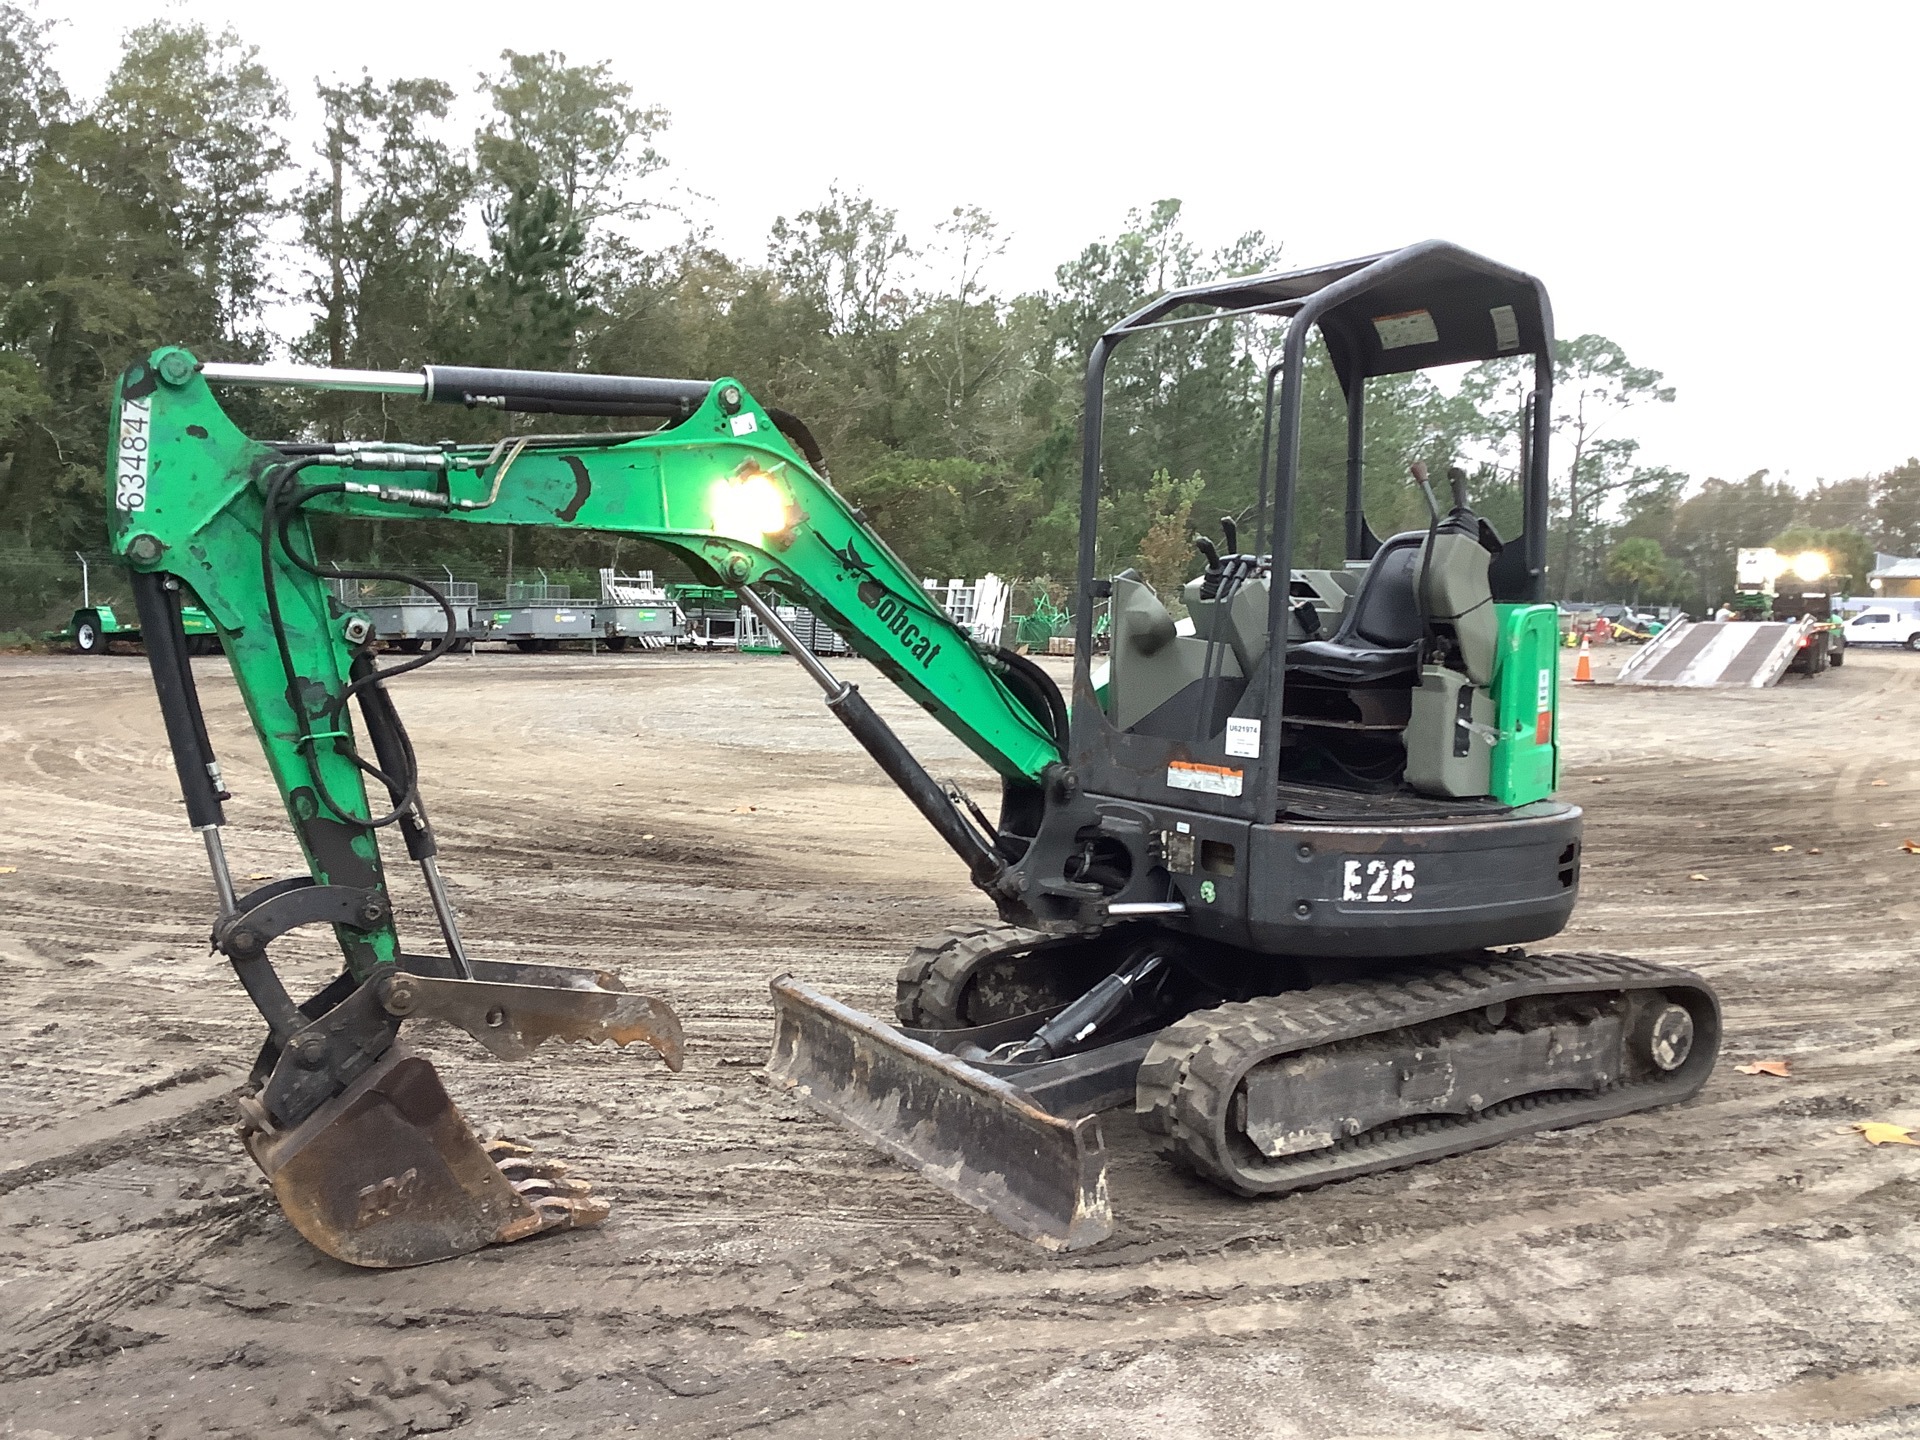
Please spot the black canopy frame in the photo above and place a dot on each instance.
(1416, 308)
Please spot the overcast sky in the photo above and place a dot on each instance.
(1727, 190)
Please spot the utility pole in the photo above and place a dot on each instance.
(337, 290)
(337, 296)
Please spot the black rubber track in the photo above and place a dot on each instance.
(930, 991)
(1190, 1076)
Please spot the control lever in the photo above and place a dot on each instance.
(1458, 479)
(1230, 532)
(1419, 472)
(1210, 582)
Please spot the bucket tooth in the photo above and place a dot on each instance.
(980, 1139)
(387, 1174)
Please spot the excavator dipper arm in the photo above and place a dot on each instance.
(367, 1154)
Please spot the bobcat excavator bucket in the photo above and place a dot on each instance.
(387, 1173)
(982, 1140)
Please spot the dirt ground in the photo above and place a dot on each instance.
(1743, 1265)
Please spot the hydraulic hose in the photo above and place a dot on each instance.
(1036, 690)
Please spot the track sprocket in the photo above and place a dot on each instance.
(976, 974)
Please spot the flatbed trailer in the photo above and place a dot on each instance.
(540, 626)
(411, 621)
(631, 611)
(1749, 654)
(635, 610)
(93, 628)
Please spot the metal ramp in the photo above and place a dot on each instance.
(809, 629)
(1700, 653)
(635, 610)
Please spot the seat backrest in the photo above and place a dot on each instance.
(1141, 623)
(1385, 611)
(1457, 597)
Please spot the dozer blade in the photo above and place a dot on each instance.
(978, 1138)
(387, 1174)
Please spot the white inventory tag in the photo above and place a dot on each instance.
(1207, 779)
(744, 424)
(130, 465)
(1243, 738)
(1409, 327)
(1506, 328)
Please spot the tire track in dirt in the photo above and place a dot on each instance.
(76, 1323)
(1735, 1243)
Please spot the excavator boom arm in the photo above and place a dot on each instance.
(724, 489)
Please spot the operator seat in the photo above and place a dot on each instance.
(1380, 633)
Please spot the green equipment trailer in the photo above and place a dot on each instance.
(94, 627)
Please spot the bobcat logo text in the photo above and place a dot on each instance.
(894, 613)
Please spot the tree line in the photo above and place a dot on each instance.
(174, 208)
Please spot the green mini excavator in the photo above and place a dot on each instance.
(1262, 875)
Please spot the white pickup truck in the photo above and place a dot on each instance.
(1884, 627)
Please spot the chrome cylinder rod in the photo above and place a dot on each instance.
(443, 912)
(318, 377)
(769, 617)
(222, 876)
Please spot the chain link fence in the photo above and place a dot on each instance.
(40, 590)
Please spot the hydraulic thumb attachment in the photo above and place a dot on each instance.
(386, 1173)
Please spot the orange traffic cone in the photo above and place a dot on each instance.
(1583, 667)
